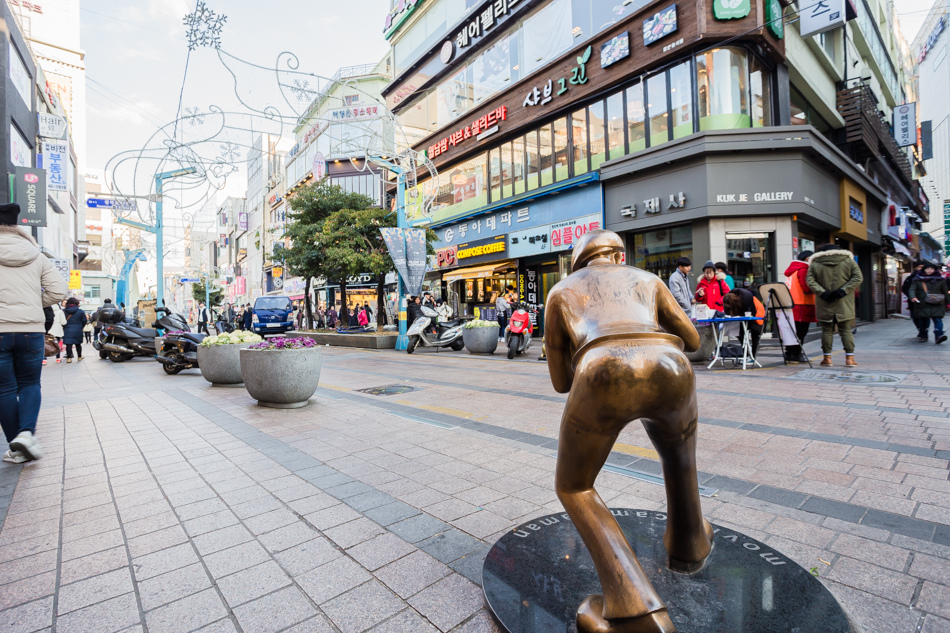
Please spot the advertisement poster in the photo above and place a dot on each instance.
(397, 250)
(75, 280)
(416, 260)
(319, 167)
(55, 156)
(660, 25)
(30, 190)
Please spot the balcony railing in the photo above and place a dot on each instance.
(867, 133)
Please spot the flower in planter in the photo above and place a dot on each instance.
(301, 342)
(479, 323)
(227, 338)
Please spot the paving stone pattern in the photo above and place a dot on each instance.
(164, 504)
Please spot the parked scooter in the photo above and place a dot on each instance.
(122, 342)
(519, 331)
(180, 348)
(446, 334)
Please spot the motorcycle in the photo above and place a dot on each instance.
(221, 324)
(446, 334)
(180, 347)
(122, 342)
(519, 331)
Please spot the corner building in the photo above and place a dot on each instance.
(670, 123)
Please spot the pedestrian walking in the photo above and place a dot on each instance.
(28, 283)
(679, 284)
(911, 305)
(87, 332)
(362, 319)
(369, 311)
(248, 318)
(56, 330)
(833, 276)
(929, 294)
(332, 316)
(711, 288)
(203, 319)
(804, 309)
(72, 332)
(501, 310)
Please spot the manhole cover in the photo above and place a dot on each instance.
(848, 376)
(388, 390)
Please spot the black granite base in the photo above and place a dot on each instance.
(536, 576)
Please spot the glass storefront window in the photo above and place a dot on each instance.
(579, 141)
(657, 110)
(657, 251)
(560, 150)
(506, 171)
(722, 76)
(494, 165)
(492, 71)
(750, 259)
(547, 34)
(681, 99)
(761, 94)
(531, 160)
(615, 138)
(636, 130)
(598, 142)
(517, 165)
(546, 146)
(469, 184)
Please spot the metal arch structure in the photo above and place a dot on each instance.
(204, 148)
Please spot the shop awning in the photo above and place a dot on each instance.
(476, 271)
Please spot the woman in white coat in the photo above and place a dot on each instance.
(56, 330)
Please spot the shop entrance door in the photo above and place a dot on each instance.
(751, 258)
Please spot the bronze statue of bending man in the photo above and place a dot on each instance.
(614, 336)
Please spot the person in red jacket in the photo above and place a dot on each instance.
(711, 288)
(804, 310)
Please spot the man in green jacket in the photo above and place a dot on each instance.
(833, 276)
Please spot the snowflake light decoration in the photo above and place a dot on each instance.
(204, 27)
(194, 116)
(229, 152)
(301, 90)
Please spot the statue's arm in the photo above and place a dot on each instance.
(674, 320)
(557, 344)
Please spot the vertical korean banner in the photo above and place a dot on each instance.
(55, 156)
(407, 247)
(30, 190)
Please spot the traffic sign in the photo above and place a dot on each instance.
(103, 203)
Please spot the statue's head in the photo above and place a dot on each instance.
(596, 244)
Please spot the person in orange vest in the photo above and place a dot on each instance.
(737, 302)
(804, 310)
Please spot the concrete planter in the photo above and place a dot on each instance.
(707, 345)
(364, 341)
(481, 340)
(221, 365)
(282, 379)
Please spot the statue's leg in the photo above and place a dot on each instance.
(688, 537)
(629, 603)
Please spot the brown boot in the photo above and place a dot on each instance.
(826, 361)
(849, 361)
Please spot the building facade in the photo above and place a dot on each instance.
(700, 130)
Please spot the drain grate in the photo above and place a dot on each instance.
(848, 376)
(388, 390)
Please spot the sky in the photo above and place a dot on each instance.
(911, 14)
(140, 75)
(136, 54)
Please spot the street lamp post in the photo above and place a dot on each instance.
(158, 228)
(402, 341)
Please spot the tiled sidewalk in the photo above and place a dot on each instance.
(166, 505)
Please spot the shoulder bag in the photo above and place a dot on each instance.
(932, 298)
(51, 347)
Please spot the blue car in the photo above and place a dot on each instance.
(272, 315)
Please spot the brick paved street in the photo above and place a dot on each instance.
(165, 505)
